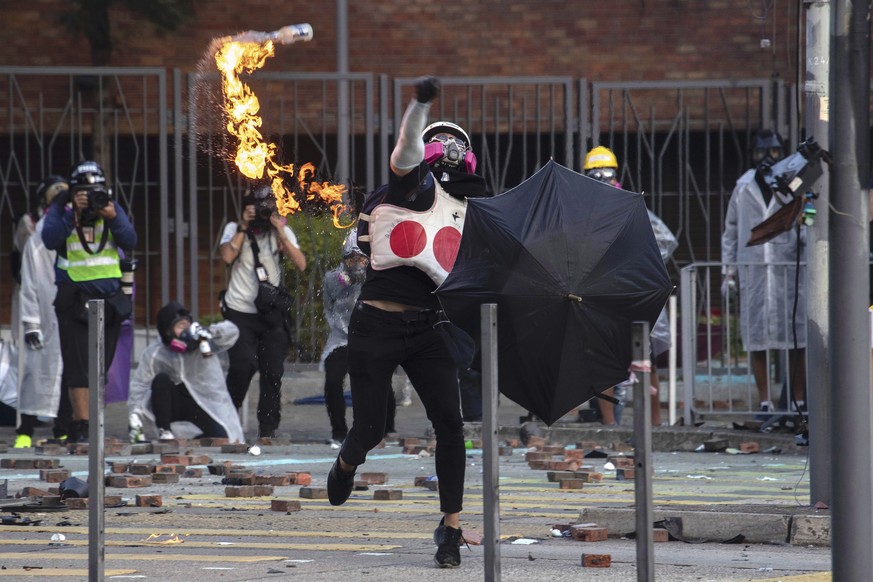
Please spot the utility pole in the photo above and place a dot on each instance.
(852, 473)
(818, 391)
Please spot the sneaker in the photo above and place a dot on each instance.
(766, 412)
(166, 435)
(334, 444)
(23, 441)
(339, 484)
(448, 541)
(79, 432)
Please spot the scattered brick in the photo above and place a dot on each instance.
(219, 469)
(142, 468)
(263, 490)
(165, 478)
(660, 535)
(128, 481)
(76, 502)
(513, 443)
(303, 479)
(50, 450)
(286, 505)
(115, 448)
(33, 492)
(625, 474)
(80, 449)
(558, 466)
(199, 460)
(621, 447)
(235, 449)
(537, 456)
(274, 480)
(361, 486)
(175, 459)
(588, 533)
(244, 478)
(553, 449)
(432, 485)
(750, 447)
(388, 494)
(53, 475)
(243, 491)
(419, 480)
(313, 493)
(411, 442)
(118, 467)
(165, 448)
(178, 469)
(574, 454)
(29, 463)
(149, 501)
(556, 476)
(374, 478)
(193, 473)
(570, 484)
(596, 560)
(538, 465)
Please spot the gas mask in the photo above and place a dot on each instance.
(446, 150)
(186, 342)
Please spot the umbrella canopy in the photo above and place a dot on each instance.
(570, 262)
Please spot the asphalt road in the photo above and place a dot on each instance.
(199, 533)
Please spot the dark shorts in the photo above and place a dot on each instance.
(72, 311)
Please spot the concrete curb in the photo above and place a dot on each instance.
(718, 526)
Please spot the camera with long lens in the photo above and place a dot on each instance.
(128, 266)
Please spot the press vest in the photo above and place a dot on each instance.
(81, 265)
(427, 239)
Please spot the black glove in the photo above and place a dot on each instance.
(426, 89)
(62, 197)
(34, 339)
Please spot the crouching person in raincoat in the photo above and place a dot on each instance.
(179, 382)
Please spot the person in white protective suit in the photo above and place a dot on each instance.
(40, 365)
(601, 164)
(766, 274)
(179, 382)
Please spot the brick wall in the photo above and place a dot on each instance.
(605, 41)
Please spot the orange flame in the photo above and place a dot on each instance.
(255, 157)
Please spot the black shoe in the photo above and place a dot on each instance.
(448, 541)
(339, 484)
(266, 433)
(78, 432)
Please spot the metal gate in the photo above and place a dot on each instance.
(683, 143)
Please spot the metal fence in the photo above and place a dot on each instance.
(717, 375)
(161, 140)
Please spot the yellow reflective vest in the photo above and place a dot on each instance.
(81, 265)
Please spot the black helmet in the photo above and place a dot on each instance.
(168, 316)
(87, 175)
(50, 185)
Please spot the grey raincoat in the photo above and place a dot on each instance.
(340, 296)
(40, 370)
(766, 272)
(204, 378)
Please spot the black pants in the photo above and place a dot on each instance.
(262, 347)
(173, 403)
(470, 381)
(336, 366)
(379, 341)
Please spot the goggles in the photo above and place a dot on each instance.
(603, 174)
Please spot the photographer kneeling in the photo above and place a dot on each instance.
(252, 248)
(179, 382)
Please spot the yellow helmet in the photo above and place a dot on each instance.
(600, 157)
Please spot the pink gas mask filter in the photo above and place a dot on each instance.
(449, 151)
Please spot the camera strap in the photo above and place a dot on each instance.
(80, 230)
(256, 251)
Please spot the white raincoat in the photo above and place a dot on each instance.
(204, 378)
(767, 289)
(40, 370)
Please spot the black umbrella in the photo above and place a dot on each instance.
(570, 262)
